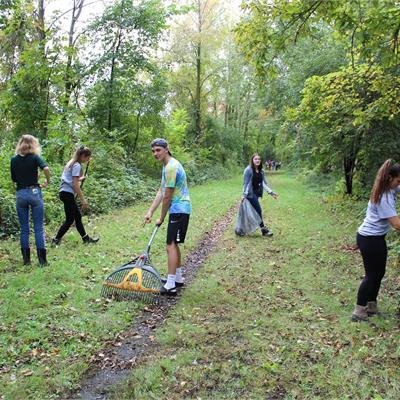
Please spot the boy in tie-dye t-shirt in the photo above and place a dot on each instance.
(173, 196)
(174, 176)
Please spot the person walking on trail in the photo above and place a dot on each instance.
(380, 217)
(71, 180)
(254, 182)
(24, 172)
(173, 195)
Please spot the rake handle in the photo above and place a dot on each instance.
(152, 238)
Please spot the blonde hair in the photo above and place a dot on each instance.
(79, 152)
(27, 144)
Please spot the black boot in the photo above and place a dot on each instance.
(26, 255)
(88, 239)
(41, 253)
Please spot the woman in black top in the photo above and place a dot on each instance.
(24, 172)
(254, 183)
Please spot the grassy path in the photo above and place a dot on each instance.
(269, 318)
(52, 320)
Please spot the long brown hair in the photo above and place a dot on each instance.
(27, 144)
(251, 163)
(79, 152)
(389, 169)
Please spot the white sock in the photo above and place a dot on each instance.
(178, 275)
(170, 282)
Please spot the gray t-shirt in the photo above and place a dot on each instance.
(67, 177)
(376, 220)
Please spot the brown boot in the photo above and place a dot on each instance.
(372, 308)
(359, 314)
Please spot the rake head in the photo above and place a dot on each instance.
(133, 281)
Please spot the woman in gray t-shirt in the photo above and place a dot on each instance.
(71, 179)
(380, 218)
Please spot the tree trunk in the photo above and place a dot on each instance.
(349, 164)
(118, 42)
(137, 133)
(43, 84)
(197, 99)
(226, 114)
(197, 103)
(68, 77)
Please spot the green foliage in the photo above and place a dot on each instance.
(175, 133)
(370, 29)
(341, 114)
(332, 81)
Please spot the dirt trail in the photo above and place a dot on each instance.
(120, 355)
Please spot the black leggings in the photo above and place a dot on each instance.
(72, 214)
(374, 254)
(256, 204)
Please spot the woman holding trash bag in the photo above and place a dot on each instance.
(380, 217)
(24, 172)
(254, 183)
(71, 180)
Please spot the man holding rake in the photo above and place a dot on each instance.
(173, 195)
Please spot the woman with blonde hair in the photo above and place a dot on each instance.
(380, 217)
(24, 172)
(71, 180)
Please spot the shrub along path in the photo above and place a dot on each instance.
(269, 318)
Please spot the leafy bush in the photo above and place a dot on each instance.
(106, 188)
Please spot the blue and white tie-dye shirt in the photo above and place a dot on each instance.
(174, 176)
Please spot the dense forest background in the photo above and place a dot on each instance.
(314, 84)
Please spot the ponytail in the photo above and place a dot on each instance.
(389, 169)
(79, 152)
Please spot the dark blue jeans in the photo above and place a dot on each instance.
(31, 200)
(256, 204)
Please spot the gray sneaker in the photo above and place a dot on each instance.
(359, 314)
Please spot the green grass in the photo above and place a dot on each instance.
(269, 318)
(52, 319)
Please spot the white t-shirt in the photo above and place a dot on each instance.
(376, 220)
(67, 177)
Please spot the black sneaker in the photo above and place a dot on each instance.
(177, 284)
(87, 239)
(168, 292)
(266, 232)
(55, 242)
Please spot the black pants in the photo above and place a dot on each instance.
(374, 254)
(72, 214)
(256, 204)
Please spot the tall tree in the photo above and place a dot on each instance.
(126, 37)
(194, 46)
(70, 78)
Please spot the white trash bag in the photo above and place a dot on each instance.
(248, 219)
